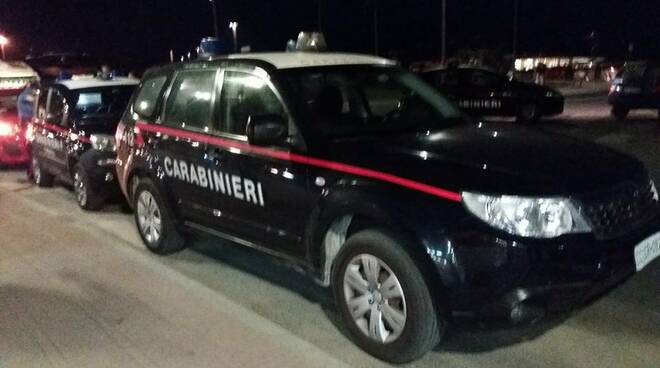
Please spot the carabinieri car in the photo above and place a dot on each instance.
(481, 92)
(378, 187)
(72, 136)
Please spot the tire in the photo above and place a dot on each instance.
(40, 177)
(154, 220)
(88, 198)
(528, 113)
(620, 113)
(422, 324)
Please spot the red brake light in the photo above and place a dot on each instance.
(7, 129)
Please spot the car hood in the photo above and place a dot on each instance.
(495, 159)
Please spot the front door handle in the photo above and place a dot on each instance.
(216, 154)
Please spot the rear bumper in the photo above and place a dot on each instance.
(13, 151)
(634, 101)
(552, 106)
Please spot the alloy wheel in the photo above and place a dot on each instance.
(375, 298)
(36, 170)
(149, 217)
(80, 189)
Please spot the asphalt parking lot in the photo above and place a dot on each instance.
(79, 289)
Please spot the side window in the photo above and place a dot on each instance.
(189, 102)
(41, 104)
(55, 108)
(145, 102)
(480, 78)
(447, 78)
(243, 95)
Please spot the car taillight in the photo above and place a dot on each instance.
(7, 129)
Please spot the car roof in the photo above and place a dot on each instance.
(460, 67)
(91, 82)
(292, 60)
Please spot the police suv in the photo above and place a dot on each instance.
(72, 136)
(481, 92)
(378, 187)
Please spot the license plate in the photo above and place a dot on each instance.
(647, 251)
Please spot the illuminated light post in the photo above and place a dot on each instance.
(234, 29)
(4, 41)
(215, 19)
(444, 33)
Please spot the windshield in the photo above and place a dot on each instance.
(355, 100)
(95, 102)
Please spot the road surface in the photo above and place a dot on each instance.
(79, 290)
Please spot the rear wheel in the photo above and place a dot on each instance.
(86, 195)
(528, 113)
(155, 220)
(40, 177)
(620, 113)
(383, 299)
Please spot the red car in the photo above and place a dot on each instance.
(13, 148)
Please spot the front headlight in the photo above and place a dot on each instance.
(654, 190)
(528, 217)
(102, 142)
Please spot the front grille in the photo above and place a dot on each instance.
(620, 210)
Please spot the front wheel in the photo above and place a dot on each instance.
(383, 299)
(40, 177)
(155, 220)
(528, 113)
(620, 113)
(86, 195)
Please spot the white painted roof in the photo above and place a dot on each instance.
(291, 60)
(92, 82)
(16, 70)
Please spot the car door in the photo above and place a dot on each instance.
(265, 197)
(50, 142)
(188, 108)
(485, 92)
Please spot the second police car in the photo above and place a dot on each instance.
(369, 179)
(481, 92)
(71, 137)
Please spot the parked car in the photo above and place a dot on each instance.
(373, 183)
(13, 149)
(72, 136)
(636, 86)
(480, 92)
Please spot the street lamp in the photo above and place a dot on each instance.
(4, 41)
(444, 32)
(234, 27)
(215, 19)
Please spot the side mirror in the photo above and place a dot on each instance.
(267, 130)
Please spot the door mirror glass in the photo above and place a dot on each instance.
(267, 130)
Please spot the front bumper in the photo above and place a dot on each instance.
(13, 151)
(496, 278)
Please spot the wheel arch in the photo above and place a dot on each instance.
(347, 211)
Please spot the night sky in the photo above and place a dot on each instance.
(142, 31)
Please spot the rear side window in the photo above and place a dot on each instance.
(189, 102)
(145, 103)
(245, 95)
(447, 78)
(41, 103)
(55, 107)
